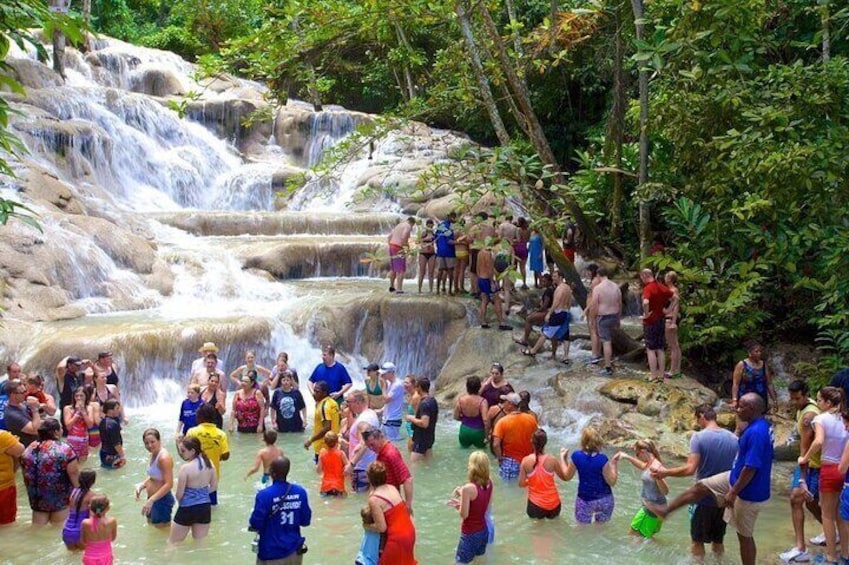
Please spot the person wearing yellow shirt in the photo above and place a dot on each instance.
(10, 451)
(212, 440)
(326, 418)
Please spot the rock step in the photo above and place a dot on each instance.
(206, 223)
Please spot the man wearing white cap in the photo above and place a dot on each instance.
(511, 439)
(199, 363)
(393, 393)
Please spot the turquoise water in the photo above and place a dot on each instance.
(334, 536)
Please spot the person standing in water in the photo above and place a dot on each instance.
(654, 490)
(99, 531)
(159, 481)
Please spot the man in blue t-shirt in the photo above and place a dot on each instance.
(712, 451)
(278, 515)
(745, 488)
(334, 374)
(446, 257)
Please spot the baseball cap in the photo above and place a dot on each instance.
(372, 367)
(513, 398)
(388, 367)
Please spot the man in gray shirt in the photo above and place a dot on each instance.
(712, 451)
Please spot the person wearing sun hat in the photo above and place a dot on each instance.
(199, 363)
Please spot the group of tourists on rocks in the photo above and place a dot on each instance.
(489, 247)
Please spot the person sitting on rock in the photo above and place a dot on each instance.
(556, 327)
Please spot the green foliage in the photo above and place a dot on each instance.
(17, 17)
(756, 146)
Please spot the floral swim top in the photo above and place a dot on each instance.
(45, 467)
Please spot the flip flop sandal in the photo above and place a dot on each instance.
(527, 352)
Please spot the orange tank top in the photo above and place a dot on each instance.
(333, 467)
(541, 488)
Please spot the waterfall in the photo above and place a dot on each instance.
(160, 232)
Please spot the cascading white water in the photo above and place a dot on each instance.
(126, 155)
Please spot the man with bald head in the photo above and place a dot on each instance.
(744, 489)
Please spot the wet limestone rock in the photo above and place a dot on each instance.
(32, 74)
(157, 81)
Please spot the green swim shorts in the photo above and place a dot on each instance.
(646, 523)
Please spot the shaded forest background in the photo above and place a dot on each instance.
(720, 127)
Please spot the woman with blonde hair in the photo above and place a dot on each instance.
(596, 477)
(472, 501)
(654, 490)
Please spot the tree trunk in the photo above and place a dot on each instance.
(312, 90)
(58, 43)
(514, 30)
(826, 31)
(480, 76)
(86, 47)
(537, 136)
(645, 220)
(617, 126)
(408, 76)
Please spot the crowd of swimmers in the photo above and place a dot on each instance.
(354, 441)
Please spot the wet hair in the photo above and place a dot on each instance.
(99, 505)
(250, 352)
(329, 349)
(86, 481)
(48, 428)
(525, 404)
(192, 443)
(251, 375)
(423, 383)
(705, 411)
(478, 468)
(321, 385)
(546, 276)
(358, 395)
(283, 355)
(269, 437)
(753, 344)
(366, 515)
(35, 379)
(473, 384)
(151, 432)
(376, 474)
(110, 404)
(206, 413)
(798, 386)
(279, 468)
(498, 367)
(649, 446)
(87, 392)
(372, 432)
(591, 440)
(331, 439)
(593, 269)
(833, 395)
(538, 440)
(211, 356)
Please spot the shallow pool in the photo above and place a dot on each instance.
(334, 536)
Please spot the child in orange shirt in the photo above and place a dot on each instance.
(331, 466)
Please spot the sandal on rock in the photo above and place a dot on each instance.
(528, 352)
(522, 342)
